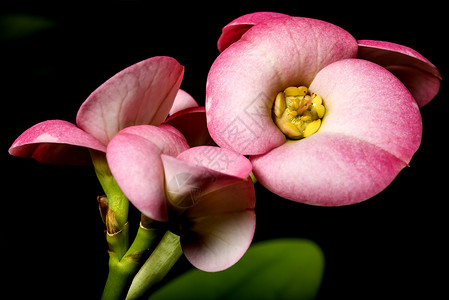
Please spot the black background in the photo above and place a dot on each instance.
(51, 236)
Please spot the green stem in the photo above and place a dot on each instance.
(118, 242)
(253, 178)
(117, 201)
(156, 267)
(117, 281)
(123, 267)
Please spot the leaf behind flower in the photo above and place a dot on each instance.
(274, 269)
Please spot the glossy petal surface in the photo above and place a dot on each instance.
(57, 142)
(140, 94)
(420, 76)
(271, 56)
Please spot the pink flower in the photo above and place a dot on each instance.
(361, 123)
(203, 192)
(140, 94)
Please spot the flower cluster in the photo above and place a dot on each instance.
(324, 118)
(125, 121)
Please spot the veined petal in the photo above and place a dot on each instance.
(220, 227)
(235, 29)
(56, 142)
(140, 94)
(137, 167)
(191, 123)
(246, 77)
(365, 101)
(182, 101)
(418, 74)
(329, 169)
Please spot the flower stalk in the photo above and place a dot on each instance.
(122, 267)
(117, 202)
(157, 266)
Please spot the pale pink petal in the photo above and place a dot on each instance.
(169, 140)
(220, 227)
(365, 101)
(141, 94)
(246, 77)
(329, 169)
(182, 101)
(57, 142)
(136, 165)
(371, 129)
(215, 243)
(420, 76)
(218, 159)
(191, 123)
(234, 30)
(239, 196)
(186, 182)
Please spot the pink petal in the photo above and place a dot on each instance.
(371, 130)
(140, 94)
(182, 101)
(192, 124)
(330, 169)
(218, 159)
(215, 243)
(169, 140)
(420, 76)
(56, 142)
(237, 197)
(234, 30)
(186, 182)
(220, 227)
(365, 101)
(245, 78)
(136, 165)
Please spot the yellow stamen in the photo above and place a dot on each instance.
(295, 91)
(317, 100)
(312, 127)
(298, 114)
(320, 110)
(291, 130)
(279, 104)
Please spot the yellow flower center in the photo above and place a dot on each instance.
(297, 113)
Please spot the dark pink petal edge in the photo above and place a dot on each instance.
(56, 142)
(235, 29)
(417, 73)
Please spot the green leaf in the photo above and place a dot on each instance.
(275, 269)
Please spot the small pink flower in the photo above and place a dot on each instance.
(203, 192)
(367, 130)
(140, 94)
